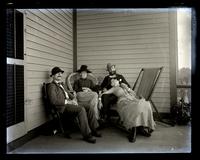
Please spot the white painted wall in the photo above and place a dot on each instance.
(130, 39)
(48, 43)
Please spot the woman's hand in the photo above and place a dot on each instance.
(104, 89)
(86, 89)
(124, 85)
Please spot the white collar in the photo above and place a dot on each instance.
(57, 82)
(112, 76)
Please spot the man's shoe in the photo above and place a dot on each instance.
(103, 124)
(101, 121)
(96, 134)
(89, 139)
(67, 135)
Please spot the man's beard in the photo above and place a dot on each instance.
(112, 73)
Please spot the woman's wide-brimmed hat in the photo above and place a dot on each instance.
(83, 68)
(56, 70)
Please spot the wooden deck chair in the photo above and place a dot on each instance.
(51, 110)
(145, 85)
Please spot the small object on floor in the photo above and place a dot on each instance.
(96, 134)
(89, 139)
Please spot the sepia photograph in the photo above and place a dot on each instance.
(107, 80)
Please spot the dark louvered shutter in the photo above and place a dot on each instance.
(10, 115)
(15, 71)
(10, 33)
(19, 40)
(19, 93)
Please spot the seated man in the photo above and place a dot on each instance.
(66, 104)
(85, 89)
(108, 99)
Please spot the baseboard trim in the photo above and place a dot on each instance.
(27, 137)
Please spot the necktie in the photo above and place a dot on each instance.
(66, 94)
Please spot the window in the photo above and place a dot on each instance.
(184, 55)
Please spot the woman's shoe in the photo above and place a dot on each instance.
(143, 132)
(132, 135)
(150, 130)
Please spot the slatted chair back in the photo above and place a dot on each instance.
(147, 81)
(145, 85)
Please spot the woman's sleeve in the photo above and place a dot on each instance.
(110, 91)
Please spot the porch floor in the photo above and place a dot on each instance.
(165, 139)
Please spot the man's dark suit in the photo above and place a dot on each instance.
(85, 114)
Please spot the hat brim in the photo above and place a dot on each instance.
(79, 71)
(57, 72)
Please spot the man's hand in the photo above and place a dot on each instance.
(74, 93)
(73, 102)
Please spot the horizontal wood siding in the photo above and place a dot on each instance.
(131, 40)
(49, 43)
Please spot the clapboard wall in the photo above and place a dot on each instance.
(48, 43)
(129, 39)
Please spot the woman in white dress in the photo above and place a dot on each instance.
(133, 111)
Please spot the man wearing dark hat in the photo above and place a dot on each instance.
(67, 105)
(108, 99)
(85, 89)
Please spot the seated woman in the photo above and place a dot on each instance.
(133, 111)
(84, 88)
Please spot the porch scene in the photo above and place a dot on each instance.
(150, 48)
